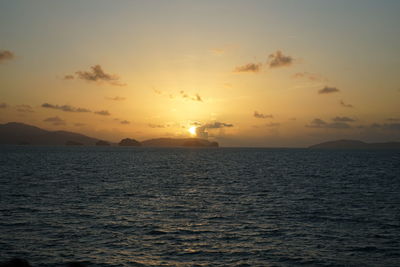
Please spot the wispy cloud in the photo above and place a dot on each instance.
(272, 124)
(278, 59)
(328, 90)
(55, 121)
(69, 77)
(24, 108)
(196, 97)
(102, 113)
(96, 74)
(382, 126)
(6, 55)
(262, 116)
(393, 119)
(343, 119)
(151, 125)
(78, 124)
(3, 105)
(124, 122)
(218, 51)
(116, 98)
(346, 105)
(314, 77)
(318, 123)
(250, 67)
(66, 108)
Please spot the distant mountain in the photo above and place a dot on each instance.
(355, 144)
(179, 142)
(24, 134)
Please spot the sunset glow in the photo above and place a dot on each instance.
(192, 130)
(252, 74)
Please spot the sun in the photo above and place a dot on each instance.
(192, 130)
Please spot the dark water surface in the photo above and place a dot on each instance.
(199, 207)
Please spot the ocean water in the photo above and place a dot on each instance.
(112, 206)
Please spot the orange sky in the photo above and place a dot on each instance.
(245, 73)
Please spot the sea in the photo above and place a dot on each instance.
(130, 206)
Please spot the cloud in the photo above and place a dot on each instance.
(55, 121)
(6, 55)
(262, 116)
(250, 67)
(393, 119)
(328, 90)
(345, 105)
(3, 105)
(69, 77)
(343, 119)
(78, 124)
(156, 125)
(102, 113)
(24, 108)
(116, 98)
(66, 108)
(96, 74)
(196, 97)
(278, 59)
(318, 123)
(217, 125)
(202, 131)
(124, 122)
(272, 124)
(309, 76)
(382, 126)
(218, 51)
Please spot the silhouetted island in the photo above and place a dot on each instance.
(179, 142)
(129, 142)
(15, 133)
(355, 144)
(73, 143)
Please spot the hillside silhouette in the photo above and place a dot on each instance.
(355, 144)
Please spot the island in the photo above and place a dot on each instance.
(355, 144)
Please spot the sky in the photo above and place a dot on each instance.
(243, 73)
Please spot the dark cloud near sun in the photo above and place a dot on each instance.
(102, 113)
(346, 105)
(250, 67)
(262, 116)
(3, 105)
(328, 90)
(55, 121)
(278, 59)
(6, 55)
(216, 125)
(202, 131)
(318, 123)
(96, 74)
(66, 108)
